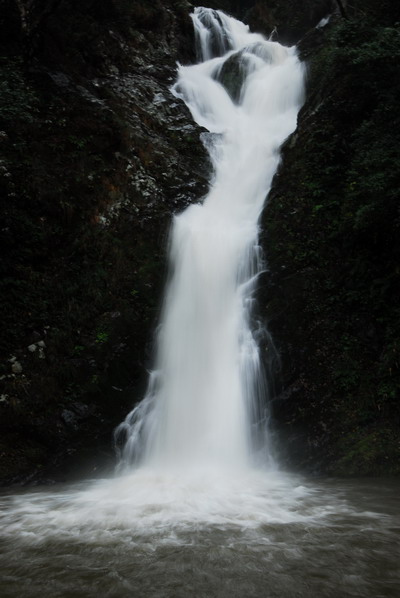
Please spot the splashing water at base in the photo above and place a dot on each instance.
(156, 535)
(196, 516)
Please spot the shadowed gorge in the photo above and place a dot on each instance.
(104, 139)
(95, 158)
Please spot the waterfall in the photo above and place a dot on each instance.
(195, 517)
(206, 396)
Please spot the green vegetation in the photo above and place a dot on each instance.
(334, 226)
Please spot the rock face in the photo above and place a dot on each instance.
(331, 233)
(234, 70)
(96, 155)
(290, 20)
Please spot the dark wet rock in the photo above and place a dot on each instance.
(96, 156)
(236, 68)
(69, 418)
(333, 282)
(290, 20)
(232, 75)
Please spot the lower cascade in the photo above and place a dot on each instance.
(206, 397)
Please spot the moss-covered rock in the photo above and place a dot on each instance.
(96, 154)
(332, 241)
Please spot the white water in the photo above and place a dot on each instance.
(196, 513)
(196, 449)
(157, 535)
(204, 407)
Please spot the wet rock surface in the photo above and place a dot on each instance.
(96, 156)
(331, 238)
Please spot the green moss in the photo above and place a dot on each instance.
(367, 452)
(18, 100)
(333, 230)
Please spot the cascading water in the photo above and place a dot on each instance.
(203, 403)
(195, 516)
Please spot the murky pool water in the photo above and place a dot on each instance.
(156, 535)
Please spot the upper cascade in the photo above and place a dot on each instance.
(217, 33)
